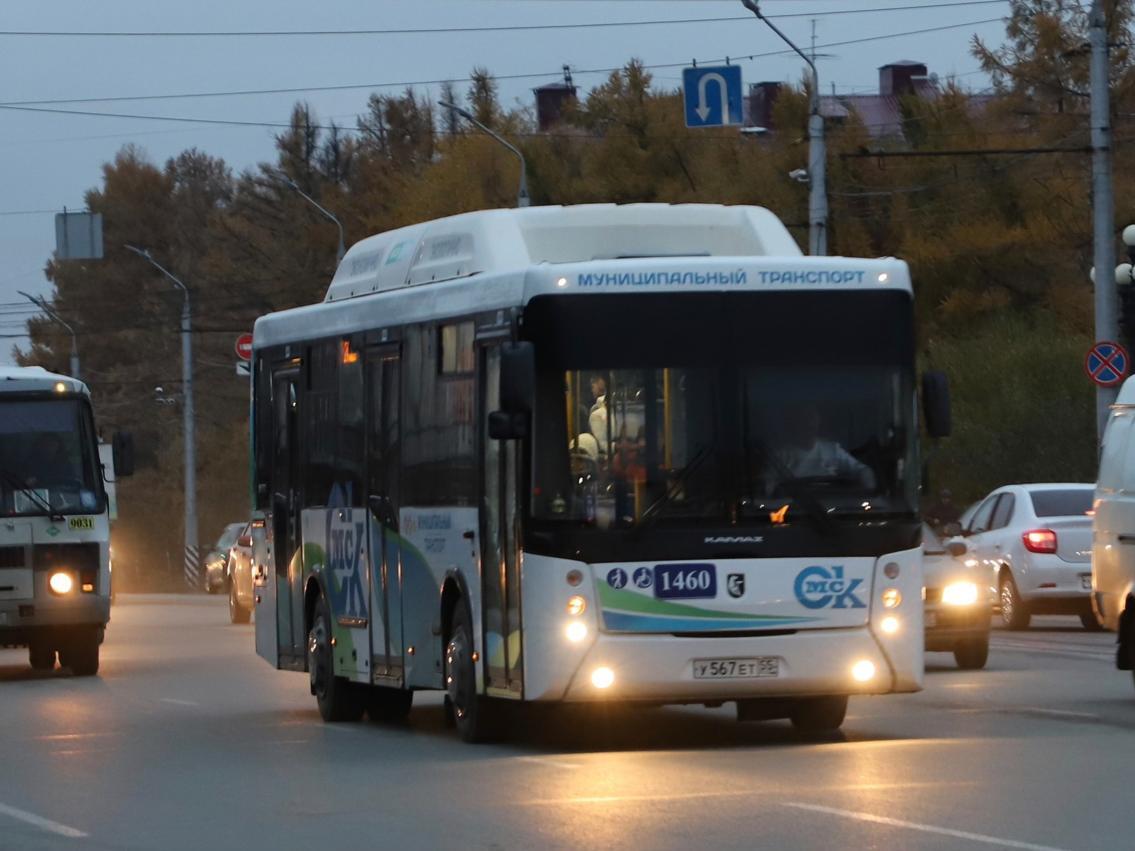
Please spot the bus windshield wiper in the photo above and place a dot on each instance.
(654, 510)
(16, 483)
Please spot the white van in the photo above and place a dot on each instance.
(1113, 528)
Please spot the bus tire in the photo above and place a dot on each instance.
(473, 714)
(338, 699)
(237, 612)
(80, 653)
(41, 657)
(1090, 622)
(819, 714)
(971, 654)
(384, 704)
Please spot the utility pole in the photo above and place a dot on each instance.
(1103, 211)
(817, 154)
(522, 199)
(192, 572)
(42, 304)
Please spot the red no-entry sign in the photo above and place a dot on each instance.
(244, 347)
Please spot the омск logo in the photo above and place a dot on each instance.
(818, 587)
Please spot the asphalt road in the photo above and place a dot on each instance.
(187, 740)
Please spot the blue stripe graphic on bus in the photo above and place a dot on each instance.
(818, 587)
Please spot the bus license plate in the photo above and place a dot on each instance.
(685, 581)
(736, 669)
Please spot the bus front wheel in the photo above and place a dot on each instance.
(338, 699)
(819, 714)
(472, 714)
(80, 653)
(41, 656)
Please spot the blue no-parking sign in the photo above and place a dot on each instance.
(1107, 363)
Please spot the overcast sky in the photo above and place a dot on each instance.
(48, 160)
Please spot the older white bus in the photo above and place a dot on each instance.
(639, 453)
(54, 520)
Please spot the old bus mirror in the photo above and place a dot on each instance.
(518, 377)
(506, 426)
(122, 450)
(936, 403)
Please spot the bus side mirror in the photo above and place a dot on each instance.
(122, 450)
(506, 426)
(936, 403)
(518, 377)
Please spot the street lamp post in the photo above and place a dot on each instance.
(522, 199)
(817, 154)
(342, 246)
(192, 574)
(54, 317)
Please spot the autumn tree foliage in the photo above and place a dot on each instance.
(999, 245)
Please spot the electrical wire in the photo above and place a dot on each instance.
(26, 105)
(477, 29)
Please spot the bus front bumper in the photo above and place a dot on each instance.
(22, 620)
(674, 669)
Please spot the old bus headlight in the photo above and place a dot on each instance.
(60, 582)
(960, 594)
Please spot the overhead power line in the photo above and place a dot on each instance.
(474, 29)
(41, 105)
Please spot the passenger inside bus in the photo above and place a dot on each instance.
(804, 454)
(50, 463)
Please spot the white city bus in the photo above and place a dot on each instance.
(54, 520)
(639, 453)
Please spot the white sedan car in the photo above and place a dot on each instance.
(1036, 542)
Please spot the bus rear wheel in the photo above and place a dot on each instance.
(472, 714)
(819, 714)
(337, 698)
(80, 653)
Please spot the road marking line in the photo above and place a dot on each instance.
(924, 828)
(177, 702)
(732, 793)
(554, 763)
(42, 823)
(68, 737)
(1059, 713)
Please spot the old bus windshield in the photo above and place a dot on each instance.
(48, 460)
(741, 408)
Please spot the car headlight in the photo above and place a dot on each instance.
(960, 594)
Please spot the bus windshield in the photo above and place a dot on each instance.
(48, 461)
(749, 425)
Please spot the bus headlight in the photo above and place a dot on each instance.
(576, 631)
(602, 678)
(960, 594)
(889, 624)
(60, 583)
(892, 597)
(576, 605)
(863, 670)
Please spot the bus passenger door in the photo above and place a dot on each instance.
(287, 490)
(500, 552)
(384, 462)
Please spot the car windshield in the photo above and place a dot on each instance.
(48, 460)
(757, 432)
(1069, 502)
(228, 537)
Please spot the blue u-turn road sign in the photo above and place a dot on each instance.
(712, 95)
